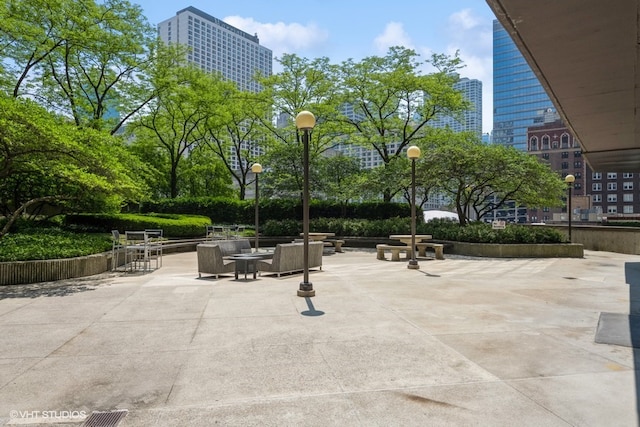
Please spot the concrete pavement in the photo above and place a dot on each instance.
(460, 342)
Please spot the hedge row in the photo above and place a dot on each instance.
(231, 211)
(173, 225)
(439, 229)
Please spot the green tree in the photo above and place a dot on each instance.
(302, 84)
(238, 137)
(44, 160)
(340, 178)
(178, 119)
(393, 102)
(85, 59)
(205, 175)
(283, 174)
(483, 177)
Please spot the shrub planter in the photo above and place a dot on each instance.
(26, 272)
(496, 250)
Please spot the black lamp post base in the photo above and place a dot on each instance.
(413, 264)
(306, 290)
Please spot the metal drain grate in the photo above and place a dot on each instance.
(105, 419)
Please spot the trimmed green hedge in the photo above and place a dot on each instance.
(174, 225)
(232, 211)
(439, 229)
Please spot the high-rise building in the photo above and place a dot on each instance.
(471, 120)
(219, 47)
(519, 100)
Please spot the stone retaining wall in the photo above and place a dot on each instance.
(24, 272)
(552, 250)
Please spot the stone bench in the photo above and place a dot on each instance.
(394, 249)
(336, 243)
(438, 249)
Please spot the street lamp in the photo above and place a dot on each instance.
(305, 121)
(569, 180)
(256, 168)
(413, 153)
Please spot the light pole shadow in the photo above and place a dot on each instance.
(312, 310)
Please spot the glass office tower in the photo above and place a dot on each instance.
(519, 100)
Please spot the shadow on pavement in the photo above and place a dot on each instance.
(52, 289)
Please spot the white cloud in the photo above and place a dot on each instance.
(393, 35)
(282, 37)
(464, 19)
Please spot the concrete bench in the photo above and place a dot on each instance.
(394, 249)
(336, 243)
(438, 249)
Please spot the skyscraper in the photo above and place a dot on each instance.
(217, 46)
(519, 100)
(471, 119)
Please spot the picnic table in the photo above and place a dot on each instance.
(318, 236)
(406, 238)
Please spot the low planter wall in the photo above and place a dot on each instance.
(25, 272)
(551, 250)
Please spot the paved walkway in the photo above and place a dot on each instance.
(486, 342)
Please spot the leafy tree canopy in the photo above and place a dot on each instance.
(45, 160)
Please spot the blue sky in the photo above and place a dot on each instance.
(343, 29)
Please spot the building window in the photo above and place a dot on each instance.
(612, 209)
(564, 139)
(534, 143)
(565, 154)
(545, 156)
(628, 209)
(597, 198)
(627, 175)
(597, 175)
(596, 186)
(612, 175)
(565, 165)
(627, 185)
(577, 154)
(577, 164)
(612, 198)
(612, 186)
(627, 197)
(545, 142)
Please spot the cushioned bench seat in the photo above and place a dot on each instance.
(289, 258)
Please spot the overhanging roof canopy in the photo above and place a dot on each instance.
(585, 53)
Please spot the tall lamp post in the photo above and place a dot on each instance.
(569, 179)
(413, 153)
(256, 168)
(305, 121)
